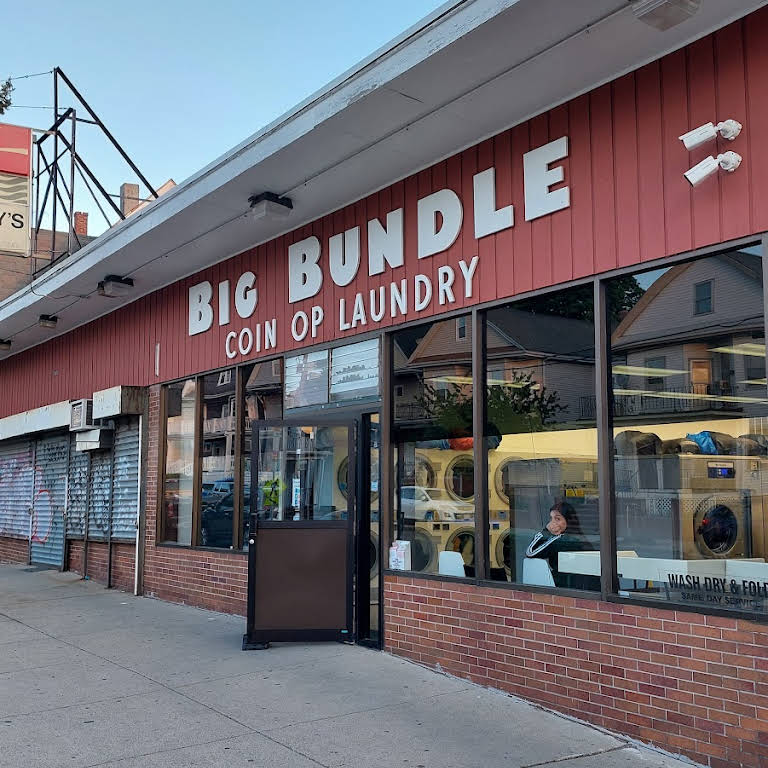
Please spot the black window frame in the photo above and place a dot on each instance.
(609, 591)
(710, 298)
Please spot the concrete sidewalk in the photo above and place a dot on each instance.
(90, 677)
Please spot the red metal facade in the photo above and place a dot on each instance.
(629, 204)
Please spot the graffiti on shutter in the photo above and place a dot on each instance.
(101, 494)
(77, 489)
(16, 473)
(125, 502)
(51, 459)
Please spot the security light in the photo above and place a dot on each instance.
(270, 205)
(665, 14)
(113, 286)
(728, 129)
(47, 321)
(728, 161)
(5, 345)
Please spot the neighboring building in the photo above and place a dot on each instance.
(371, 323)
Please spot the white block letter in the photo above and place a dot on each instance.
(468, 272)
(246, 296)
(305, 278)
(422, 290)
(231, 336)
(223, 302)
(299, 325)
(431, 239)
(398, 298)
(538, 177)
(270, 334)
(445, 278)
(487, 219)
(385, 244)
(317, 317)
(200, 310)
(344, 256)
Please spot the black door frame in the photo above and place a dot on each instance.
(358, 510)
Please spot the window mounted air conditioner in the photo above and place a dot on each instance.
(81, 415)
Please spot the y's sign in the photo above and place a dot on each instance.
(15, 150)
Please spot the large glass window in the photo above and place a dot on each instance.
(178, 488)
(542, 441)
(435, 497)
(263, 394)
(217, 473)
(691, 434)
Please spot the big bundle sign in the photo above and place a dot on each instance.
(315, 266)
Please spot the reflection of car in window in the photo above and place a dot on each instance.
(212, 491)
(216, 522)
(422, 503)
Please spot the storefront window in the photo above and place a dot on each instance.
(178, 488)
(263, 394)
(542, 442)
(435, 497)
(342, 374)
(217, 491)
(306, 379)
(355, 371)
(691, 432)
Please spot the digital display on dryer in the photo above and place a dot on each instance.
(723, 470)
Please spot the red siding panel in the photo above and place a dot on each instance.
(626, 171)
(676, 159)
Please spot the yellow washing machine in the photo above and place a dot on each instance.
(426, 545)
(720, 499)
(459, 537)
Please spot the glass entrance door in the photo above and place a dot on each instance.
(301, 532)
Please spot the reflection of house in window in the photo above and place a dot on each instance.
(461, 328)
(706, 356)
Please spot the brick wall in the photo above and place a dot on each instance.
(692, 684)
(13, 550)
(15, 273)
(207, 579)
(123, 561)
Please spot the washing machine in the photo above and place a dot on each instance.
(459, 478)
(719, 498)
(459, 537)
(426, 545)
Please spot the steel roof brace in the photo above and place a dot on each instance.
(56, 174)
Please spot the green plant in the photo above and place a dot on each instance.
(520, 404)
(5, 95)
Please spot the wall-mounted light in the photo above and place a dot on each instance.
(47, 321)
(114, 286)
(728, 129)
(728, 162)
(665, 14)
(5, 345)
(269, 205)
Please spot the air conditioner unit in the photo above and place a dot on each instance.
(94, 439)
(81, 415)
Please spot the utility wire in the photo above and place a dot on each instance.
(35, 74)
(27, 106)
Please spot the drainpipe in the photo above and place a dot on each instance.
(138, 569)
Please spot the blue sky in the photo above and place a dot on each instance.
(179, 82)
